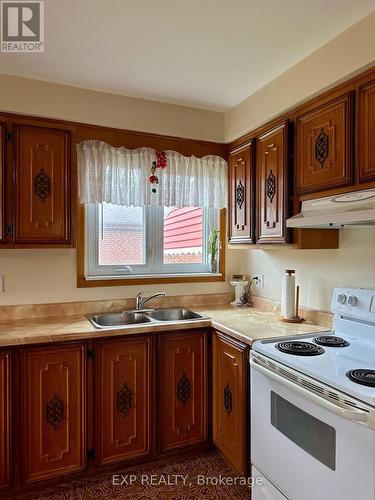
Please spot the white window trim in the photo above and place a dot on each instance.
(154, 267)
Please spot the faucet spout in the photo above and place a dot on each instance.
(140, 301)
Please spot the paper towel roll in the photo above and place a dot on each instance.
(288, 295)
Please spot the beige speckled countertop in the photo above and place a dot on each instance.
(247, 325)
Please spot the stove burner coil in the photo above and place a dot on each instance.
(331, 341)
(362, 376)
(299, 348)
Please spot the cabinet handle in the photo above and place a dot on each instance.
(240, 194)
(183, 389)
(55, 411)
(321, 147)
(124, 400)
(271, 186)
(42, 185)
(228, 399)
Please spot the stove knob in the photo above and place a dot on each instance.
(341, 299)
(352, 300)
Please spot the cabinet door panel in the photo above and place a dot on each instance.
(5, 427)
(366, 133)
(230, 399)
(123, 400)
(241, 195)
(2, 179)
(183, 390)
(42, 185)
(272, 182)
(53, 411)
(324, 146)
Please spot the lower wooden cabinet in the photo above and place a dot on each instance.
(5, 419)
(182, 389)
(123, 399)
(230, 400)
(53, 411)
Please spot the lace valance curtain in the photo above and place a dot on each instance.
(121, 176)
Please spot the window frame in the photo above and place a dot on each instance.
(84, 279)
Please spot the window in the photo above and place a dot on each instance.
(123, 242)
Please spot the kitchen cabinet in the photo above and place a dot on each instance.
(230, 400)
(182, 389)
(324, 146)
(41, 185)
(2, 178)
(366, 132)
(5, 419)
(53, 411)
(241, 194)
(272, 185)
(123, 399)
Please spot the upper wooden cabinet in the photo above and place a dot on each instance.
(272, 185)
(42, 185)
(2, 178)
(182, 389)
(123, 399)
(366, 132)
(5, 419)
(324, 146)
(241, 195)
(53, 411)
(230, 399)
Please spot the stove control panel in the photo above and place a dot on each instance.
(357, 303)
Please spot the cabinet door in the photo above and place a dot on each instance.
(366, 133)
(53, 411)
(272, 177)
(123, 399)
(241, 195)
(182, 389)
(230, 400)
(324, 146)
(5, 428)
(42, 210)
(2, 179)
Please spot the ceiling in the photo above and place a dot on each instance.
(207, 53)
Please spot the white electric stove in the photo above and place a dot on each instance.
(313, 408)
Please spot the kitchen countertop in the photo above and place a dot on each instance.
(246, 325)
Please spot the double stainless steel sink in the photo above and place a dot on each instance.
(129, 318)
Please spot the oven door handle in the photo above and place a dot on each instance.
(356, 415)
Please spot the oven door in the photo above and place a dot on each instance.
(304, 445)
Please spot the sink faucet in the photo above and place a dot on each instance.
(140, 302)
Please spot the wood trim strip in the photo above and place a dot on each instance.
(122, 137)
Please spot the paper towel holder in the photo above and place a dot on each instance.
(297, 318)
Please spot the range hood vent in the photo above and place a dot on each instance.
(356, 208)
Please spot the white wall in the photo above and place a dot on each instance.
(34, 97)
(317, 271)
(348, 53)
(47, 276)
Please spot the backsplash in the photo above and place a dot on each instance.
(63, 309)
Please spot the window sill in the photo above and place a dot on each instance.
(96, 281)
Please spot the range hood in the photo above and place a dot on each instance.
(356, 208)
